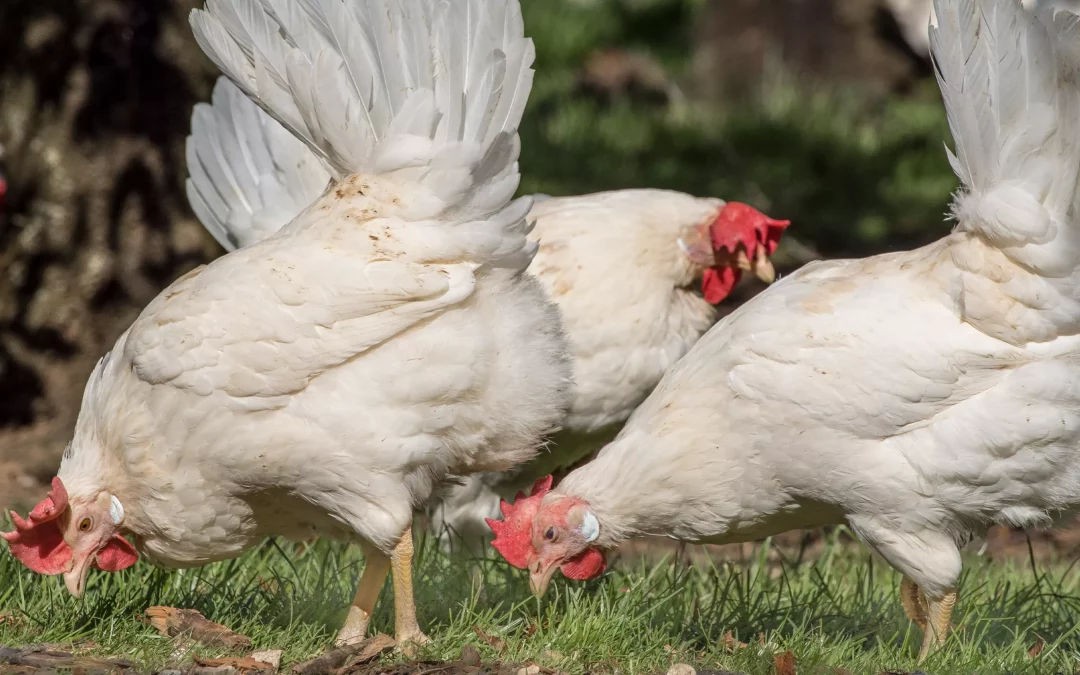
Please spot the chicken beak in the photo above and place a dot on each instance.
(540, 576)
(762, 267)
(75, 579)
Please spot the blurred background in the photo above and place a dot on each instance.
(822, 111)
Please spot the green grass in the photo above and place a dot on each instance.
(837, 612)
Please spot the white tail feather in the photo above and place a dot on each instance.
(429, 91)
(1009, 85)
(249, 176)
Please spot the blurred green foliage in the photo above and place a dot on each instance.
(856, 172)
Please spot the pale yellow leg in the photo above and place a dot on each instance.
(911, 598)
(376, 567)
(939, 614)
(405, 626)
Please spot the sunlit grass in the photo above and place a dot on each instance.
(839, 611)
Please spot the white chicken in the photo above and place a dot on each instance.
(918, 397)
(621, 266)
(327, 378)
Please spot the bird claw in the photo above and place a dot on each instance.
(355, 629)
(410, 643)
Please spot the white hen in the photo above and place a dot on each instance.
(622, 266)
(326, 379)
(919, 397)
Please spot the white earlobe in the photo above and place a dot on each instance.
(590, 527)
(116, 510)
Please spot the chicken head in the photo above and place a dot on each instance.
(740, 239)
(69, 536)
(547, 535)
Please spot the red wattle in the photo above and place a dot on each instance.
(717, 282)
(588, 565)
(117, 555)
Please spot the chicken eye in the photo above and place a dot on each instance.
(85, 525)
(550, 534)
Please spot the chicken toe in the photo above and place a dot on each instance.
(914, 603)
(407, 630)
(377, 566)
(938, 616)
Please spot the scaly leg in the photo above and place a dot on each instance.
(938, 623)
(911, 597)
(376, 567)
(405, 626)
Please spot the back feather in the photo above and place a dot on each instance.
(249, 176)
(429, 92)
(1009, 82)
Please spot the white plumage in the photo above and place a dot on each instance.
(328, 377)
(615, 263)
(919, 397)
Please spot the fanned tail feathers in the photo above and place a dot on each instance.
(428, 92)
(249, 176)
(1008, 78)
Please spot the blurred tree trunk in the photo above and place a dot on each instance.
(95, 100)
(741, 43)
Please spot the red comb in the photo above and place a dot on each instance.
(738, 225)
(513, 534)
(37, 542)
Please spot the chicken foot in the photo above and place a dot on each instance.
(937, 622)
(407, 630)
(913, 602)
(377, 566)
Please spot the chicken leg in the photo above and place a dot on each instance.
(938, 615)
(376, 567)
(407, 630)
(913, 602)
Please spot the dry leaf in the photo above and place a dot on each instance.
(470, 656)
(489, 639)
(10, 619)
(531, 669)
(1038, 647)
(784, 664)
(271, 656)
(359, 653)
(731, 643)
(43, 658)
(531, 629)
(187, 623)
(245, 664)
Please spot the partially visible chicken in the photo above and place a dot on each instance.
(914, 17)
(622, 266)
(919, 397)
(327, 378)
